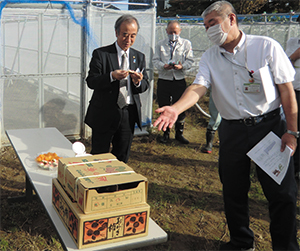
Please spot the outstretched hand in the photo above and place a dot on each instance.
(167, 118)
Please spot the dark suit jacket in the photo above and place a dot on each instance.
(102, 112)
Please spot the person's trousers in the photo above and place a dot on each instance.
(169, 92)
(215, 117)
(236, 139)
(120, 135)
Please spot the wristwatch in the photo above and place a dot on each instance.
(296, 134)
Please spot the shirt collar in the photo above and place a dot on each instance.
(238, 47)
(241, 43)
(120, 51)
(179, 41)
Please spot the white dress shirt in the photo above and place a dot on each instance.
(291, 46)
(228, 76)
(182, 52)
(120, 54)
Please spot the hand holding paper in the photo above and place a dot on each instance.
(267, 155)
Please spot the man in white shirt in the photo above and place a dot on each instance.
(251, 80)
(173, 57)
(293, 52)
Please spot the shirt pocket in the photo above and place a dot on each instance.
(179, 54)
(165, 55)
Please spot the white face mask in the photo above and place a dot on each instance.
(216, 35)
(173, 37)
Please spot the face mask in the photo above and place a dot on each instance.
(173, 37)
(216, 35)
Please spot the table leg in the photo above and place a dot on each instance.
(29, 196)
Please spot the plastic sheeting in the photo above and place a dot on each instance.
(45, 55)
(41, 69)
(197, 35)
(102, 25)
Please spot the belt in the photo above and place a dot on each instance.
(252, 121)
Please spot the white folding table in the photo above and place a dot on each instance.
(28, 143)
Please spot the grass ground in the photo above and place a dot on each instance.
(185, 195)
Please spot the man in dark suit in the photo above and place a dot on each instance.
(117, 75)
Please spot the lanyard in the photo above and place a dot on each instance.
(172, 48)
(250, 72)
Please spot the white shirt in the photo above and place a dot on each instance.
(163, 54)
(227, 76)
(292, 45)
(120, 54)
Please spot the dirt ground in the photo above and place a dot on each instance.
(184, 193)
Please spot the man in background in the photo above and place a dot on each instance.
(213, 124)
(117, 75)
(173, 57)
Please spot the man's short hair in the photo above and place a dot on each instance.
(125, 18)
(223, 8)
(172, 22)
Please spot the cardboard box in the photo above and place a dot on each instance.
(89, 230)
(86, 162)
(101, 182)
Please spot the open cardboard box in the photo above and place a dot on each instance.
(101, 182)
(102, 227)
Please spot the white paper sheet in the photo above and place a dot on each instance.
(267, 155)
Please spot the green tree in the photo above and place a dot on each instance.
(249, 7)
(185, 7)
(281, 6)
(196, 7)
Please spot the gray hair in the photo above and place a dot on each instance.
(223, 8)
(173, 21)
(125, 18)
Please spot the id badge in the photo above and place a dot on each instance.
(251, 88)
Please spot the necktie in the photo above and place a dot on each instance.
(123, 84)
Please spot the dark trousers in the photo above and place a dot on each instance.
(169, 92)
(120, 135)
(234, 168)
(297, 155)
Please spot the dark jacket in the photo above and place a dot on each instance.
(102, 112)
